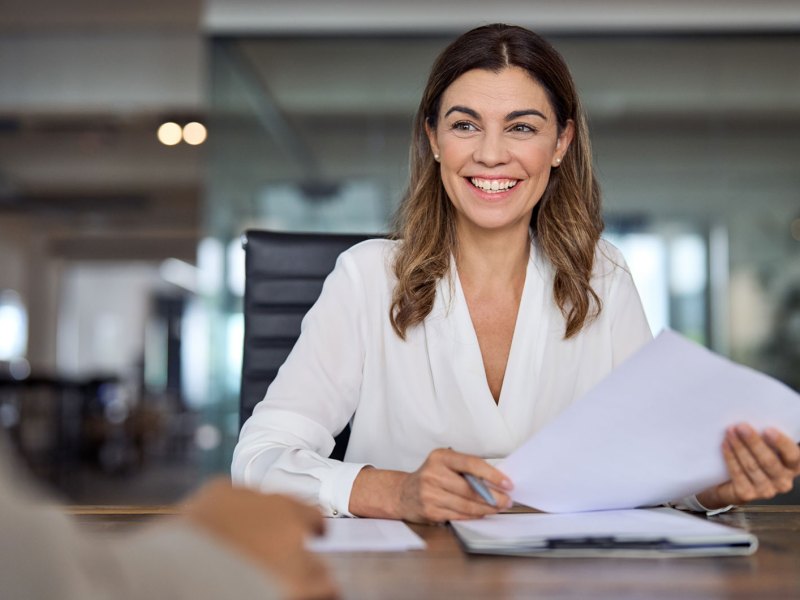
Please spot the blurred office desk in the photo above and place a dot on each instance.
(445, 571)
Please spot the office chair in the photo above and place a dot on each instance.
(284, 273)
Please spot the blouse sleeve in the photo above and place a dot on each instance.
(283, 446)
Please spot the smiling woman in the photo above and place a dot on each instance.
(494, 307)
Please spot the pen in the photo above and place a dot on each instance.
(480, 488)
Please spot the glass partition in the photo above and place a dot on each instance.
(696, 141)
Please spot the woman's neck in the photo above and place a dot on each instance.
(493, 259)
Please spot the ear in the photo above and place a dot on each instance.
(563, 142)
(431, 133)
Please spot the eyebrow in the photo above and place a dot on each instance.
(509, 117)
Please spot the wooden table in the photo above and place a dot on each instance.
(443, 570)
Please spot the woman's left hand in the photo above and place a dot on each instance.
(760, 466)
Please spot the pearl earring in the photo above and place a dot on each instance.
(436, 157)
(558, 161)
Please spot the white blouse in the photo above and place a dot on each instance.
(403, 399)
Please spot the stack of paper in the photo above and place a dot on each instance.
(630, 533)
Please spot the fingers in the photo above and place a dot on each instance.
(739, 488)
(430, 503)
(467, 463)
(458, 464)
(445, 489)
(758, 462)
(447, 506)
(786, 448)
(312, 517)
(759, 467)
(269, 529)
(438, 490)
(263, 507)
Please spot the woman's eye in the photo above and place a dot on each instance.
(522, 128)
(464, 126)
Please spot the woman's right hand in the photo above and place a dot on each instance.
(437, 491)
(434, 493)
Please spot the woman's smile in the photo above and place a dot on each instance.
(492, 185)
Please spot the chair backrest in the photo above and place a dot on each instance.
(284, 273)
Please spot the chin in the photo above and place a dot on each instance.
(496, 225)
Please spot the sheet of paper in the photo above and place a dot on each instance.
(366, 535)
(648, 433)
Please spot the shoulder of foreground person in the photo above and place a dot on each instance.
(45, 554)
(178, 560)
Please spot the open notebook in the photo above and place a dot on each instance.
(637, 533)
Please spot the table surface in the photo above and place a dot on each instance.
(443, 570)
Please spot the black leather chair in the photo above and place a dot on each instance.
(284, 273)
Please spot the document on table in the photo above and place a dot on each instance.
(650, 432)
(651, 532)
(366, 535)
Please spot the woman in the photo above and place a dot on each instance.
(494, 308)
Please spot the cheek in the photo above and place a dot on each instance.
(453, 155)
(538, 158)
(457, 148)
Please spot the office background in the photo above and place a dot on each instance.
(121, 269)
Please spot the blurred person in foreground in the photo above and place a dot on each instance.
(497, 240)
(226, 542)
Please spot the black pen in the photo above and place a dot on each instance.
(480, 488)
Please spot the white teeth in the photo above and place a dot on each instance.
(493, 185)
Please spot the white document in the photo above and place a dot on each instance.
(366, 535)
(649, 433)
(635, 532)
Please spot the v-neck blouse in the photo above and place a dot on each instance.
(402, 398)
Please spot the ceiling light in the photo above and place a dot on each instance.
(169, 133)
(194, 133)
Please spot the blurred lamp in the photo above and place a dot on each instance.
(194, 133)
(169, 133)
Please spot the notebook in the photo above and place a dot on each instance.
(637, 533)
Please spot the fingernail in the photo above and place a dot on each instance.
(743, 429)
(506, 484)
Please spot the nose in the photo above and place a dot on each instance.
(491, 150)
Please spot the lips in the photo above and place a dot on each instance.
(493, 185)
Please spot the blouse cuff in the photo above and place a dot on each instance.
(334, 491)
(693, 504)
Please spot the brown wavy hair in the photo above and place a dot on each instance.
(566, 222)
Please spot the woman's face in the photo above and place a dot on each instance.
(497, 140)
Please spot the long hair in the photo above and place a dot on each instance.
(566, 222)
